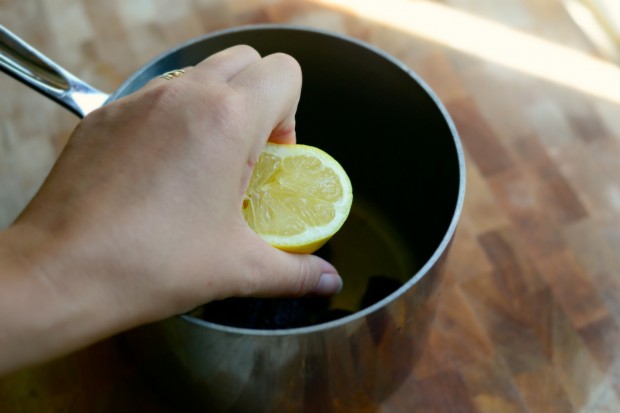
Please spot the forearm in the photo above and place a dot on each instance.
(46, 307)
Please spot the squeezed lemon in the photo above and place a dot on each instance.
(298, 197)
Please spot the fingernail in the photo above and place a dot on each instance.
(329, 284)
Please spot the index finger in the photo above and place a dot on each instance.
(219, 67)
(226, 64)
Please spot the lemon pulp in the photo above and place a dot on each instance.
(298, 197)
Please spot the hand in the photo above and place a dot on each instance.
(140, 218)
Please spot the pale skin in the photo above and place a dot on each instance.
(140, 218)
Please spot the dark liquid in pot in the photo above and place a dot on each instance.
(369, 255)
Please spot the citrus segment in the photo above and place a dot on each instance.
(298, 197)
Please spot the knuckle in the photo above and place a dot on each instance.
(227, 110)
(304, 280)
(253, 272)
(250, 287)
(163, 95)
(156, 101)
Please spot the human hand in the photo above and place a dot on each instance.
(141, 217)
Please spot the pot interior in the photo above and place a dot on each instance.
(387, 130)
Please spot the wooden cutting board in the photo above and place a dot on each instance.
(530, 312)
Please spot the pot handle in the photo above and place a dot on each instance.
(27, 65)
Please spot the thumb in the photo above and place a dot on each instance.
(278, 273)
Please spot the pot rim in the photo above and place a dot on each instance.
(439, 251)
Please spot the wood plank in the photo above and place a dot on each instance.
(529, 316)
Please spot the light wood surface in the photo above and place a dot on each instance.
(530, 312)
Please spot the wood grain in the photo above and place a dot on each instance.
(529, 319)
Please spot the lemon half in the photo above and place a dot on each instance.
(298, 197)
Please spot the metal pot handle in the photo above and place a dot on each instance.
(24, 63)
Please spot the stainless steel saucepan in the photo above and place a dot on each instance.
(402, 152)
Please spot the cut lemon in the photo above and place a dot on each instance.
(298, 197)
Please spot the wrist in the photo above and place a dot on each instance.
(50, 303)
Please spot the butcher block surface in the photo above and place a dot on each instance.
(529, 318)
